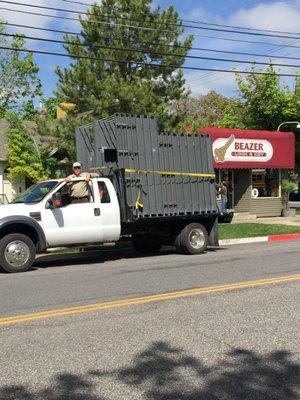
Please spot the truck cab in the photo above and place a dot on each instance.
(44, 216)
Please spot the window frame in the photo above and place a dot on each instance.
(279, 184)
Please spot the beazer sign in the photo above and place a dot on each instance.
(242, 150)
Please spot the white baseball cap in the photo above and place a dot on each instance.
(76, 164)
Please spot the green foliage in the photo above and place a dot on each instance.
(234, 117)
(51, 105)
(206, 110)
(26, 160)
(62, 132)
(28, 110)
(287, 185)
(264, 104)
(107, 87)
(18, 75)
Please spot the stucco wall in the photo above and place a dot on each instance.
(8, 188)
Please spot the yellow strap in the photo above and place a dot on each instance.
(141, 171)
(138, 204)
(149, 171)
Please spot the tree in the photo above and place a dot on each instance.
(206, 110)
(19, 80)
(105, 85)
(51, 105)
(63, 132)
(264, 104)
(24, 157)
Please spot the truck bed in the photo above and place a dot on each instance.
(155, 175)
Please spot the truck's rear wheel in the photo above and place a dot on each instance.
(146, 245)
(213, 237)
(17, 252)
(193, 239)
(177, 243)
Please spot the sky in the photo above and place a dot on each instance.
(271, 15)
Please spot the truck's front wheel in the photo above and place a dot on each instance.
(193, 239)
(17, 252)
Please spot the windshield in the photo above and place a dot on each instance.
(35, 193)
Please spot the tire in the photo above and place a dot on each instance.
(177, 243)
(17, 253)
(146, 245)
(193, 239)
(213, 237)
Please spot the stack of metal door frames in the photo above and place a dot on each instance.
(165, 174)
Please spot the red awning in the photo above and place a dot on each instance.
(241, 148)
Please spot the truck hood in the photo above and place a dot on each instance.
(17, 209)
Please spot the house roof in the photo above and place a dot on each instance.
(42, 141)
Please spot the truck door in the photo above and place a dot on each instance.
(73, 223)
(109, 207)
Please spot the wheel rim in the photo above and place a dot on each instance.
(17, 253)
(197, 238)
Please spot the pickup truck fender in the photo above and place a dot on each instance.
(28, 226)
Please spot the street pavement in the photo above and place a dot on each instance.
(239, 345)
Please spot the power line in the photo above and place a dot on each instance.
(146, 28)
(247, 41)
(202, 22)
(148, 44)
(74, 56)
(206, 36)
(146, 50)
(236, 65)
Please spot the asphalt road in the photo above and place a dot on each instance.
(238, 345)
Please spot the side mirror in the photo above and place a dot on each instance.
(49, 205)
(57, 200)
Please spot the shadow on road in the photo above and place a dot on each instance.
(163, 372)
(98, 256)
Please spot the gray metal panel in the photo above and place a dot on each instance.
(85, 148)
(140, 147)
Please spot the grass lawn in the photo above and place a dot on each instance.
(232, 231)
(297, 212)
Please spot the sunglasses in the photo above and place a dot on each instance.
(77, 168)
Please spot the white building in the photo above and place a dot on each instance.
(8, 189)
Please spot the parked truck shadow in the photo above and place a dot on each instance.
(165, 372)
(98, 256)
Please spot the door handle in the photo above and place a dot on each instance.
(97, 212)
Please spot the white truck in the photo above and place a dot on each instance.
(43, 217)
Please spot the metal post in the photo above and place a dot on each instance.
(289, 122)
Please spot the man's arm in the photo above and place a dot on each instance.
(68, 179)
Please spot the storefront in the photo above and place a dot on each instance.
(252, 163)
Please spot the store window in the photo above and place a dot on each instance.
(265, 183)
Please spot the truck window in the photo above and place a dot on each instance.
(66, 194)
(103, 193)
(35, 193)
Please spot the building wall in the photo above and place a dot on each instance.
(244, 203)
(8, 188)
(266, 207)
(242, 190)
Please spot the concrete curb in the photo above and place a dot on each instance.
(271, 238)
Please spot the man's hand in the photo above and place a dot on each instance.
(88, 177)
(68, 179)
